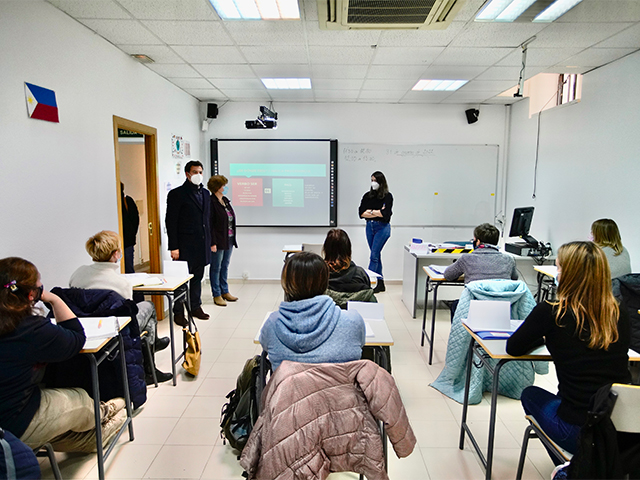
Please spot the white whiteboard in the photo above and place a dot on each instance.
(432, 185)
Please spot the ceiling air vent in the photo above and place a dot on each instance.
(387, 14)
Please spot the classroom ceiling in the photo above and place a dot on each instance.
(216, 60)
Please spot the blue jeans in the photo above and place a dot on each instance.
(219, 270)
(543, 405)
(377, 235)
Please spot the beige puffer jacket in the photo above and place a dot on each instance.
(319, 418)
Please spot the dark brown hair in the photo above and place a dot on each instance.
(190, 164)
(216, 182)
(337, 250)
(382, 181)
(15, 304)
(305, 275)
(487, 233)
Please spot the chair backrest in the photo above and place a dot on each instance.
(625, 411)
(312, 247)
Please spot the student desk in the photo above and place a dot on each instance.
(495, 349)
(546, 277)
(172, 288)
(433, 282)
(414, 277)
(97, 349)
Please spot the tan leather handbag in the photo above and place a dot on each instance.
(192, 355)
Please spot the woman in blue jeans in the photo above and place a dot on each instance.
(223, 239)
(376, 208)
(588, 336)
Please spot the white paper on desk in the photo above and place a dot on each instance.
(439, 269)
(368, 310)
(369, 330)
(142, 279)
(100, 327)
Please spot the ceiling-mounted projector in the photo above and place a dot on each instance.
(266, 119)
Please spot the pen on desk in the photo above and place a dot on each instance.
(100, 323)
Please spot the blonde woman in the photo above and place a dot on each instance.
(587, 335)
(606, 235)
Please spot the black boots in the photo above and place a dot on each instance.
(380, 286)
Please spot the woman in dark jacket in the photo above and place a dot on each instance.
(28, 341)
(223, 239)
(344, 274)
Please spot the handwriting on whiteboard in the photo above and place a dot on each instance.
(421, 152)
(358, 155)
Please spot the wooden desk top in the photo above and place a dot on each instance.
(94, 345)
(439, 277)
(292, 248)
(169, 284)
(548, 270)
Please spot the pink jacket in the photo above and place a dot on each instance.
(319, 418)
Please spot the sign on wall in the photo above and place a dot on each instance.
(177, 147)
(41, 103)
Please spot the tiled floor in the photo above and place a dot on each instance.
(177, 430)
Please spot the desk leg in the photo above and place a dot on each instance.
(125, 385)
(433, 321)
(492, 419)
(171, 336)
(467, 387)
(97, 412)
(424, 312)
(539, 292)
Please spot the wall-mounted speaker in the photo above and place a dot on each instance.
(212, 110)
(472, 115)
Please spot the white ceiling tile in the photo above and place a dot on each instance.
(339, 71)
(282, 71)
(420, 38)
(266, 33)
(340, 56)
(159, 53)
(576, 34)
(181, 70)
(308, 10)
(469, 10)
(291, 95)
(224, 71)
(471, 97)
(395, 71)
(501, 100)
(597, 56)
(190, 82)
(538, 57)
(336, 84)
(565, 69)
(406, 55)
(170, 9)
(336, 94)
(495, 86)
(94, 9)
(500, 73)
(347, 38)
(240, 95)
(626, 38)
(395, 84)
(471, 56)
(182, 32)
(122, 31)
(275, 54)
(424, 97)
(451, 72)
(382, 95)
(485, 34)
(206, 93)
(238, 83)
(207, 54)
(607, 11)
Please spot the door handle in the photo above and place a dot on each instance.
(150, 228)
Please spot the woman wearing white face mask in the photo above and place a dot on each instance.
(376, 208)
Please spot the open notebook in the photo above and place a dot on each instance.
(100, 327)
(142, 279)
(491, 319)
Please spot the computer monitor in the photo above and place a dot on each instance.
(521, 223)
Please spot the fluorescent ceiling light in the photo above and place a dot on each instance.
(492, 10)
(256, 9)
(439, 85)
(514, 10)
(287, 83)
(555, 10)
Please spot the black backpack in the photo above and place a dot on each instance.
(239, 414)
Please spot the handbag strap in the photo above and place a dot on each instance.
(8, 456)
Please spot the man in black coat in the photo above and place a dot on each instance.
(187, 222)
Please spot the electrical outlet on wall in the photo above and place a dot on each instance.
(245, 275)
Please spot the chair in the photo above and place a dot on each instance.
(535, 431)
(47, 451)
(312, 247)
(148, 356)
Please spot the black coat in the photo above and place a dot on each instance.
(220, 224)
(187, 222)
(130, 221)
(627, 290)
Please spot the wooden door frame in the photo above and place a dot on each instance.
(153, 228)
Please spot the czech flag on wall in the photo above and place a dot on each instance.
(41, 103)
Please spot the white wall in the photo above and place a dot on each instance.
(57, 181)
(589, 164)
(259, 252)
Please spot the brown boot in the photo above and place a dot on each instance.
(199, 313)
(219, 301)
(228, 297)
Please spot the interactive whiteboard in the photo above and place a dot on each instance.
(432, 185)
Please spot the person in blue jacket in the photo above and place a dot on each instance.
(63, 417)
(309, 327)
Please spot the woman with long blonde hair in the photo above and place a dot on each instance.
(588, 336)
(606, 235)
